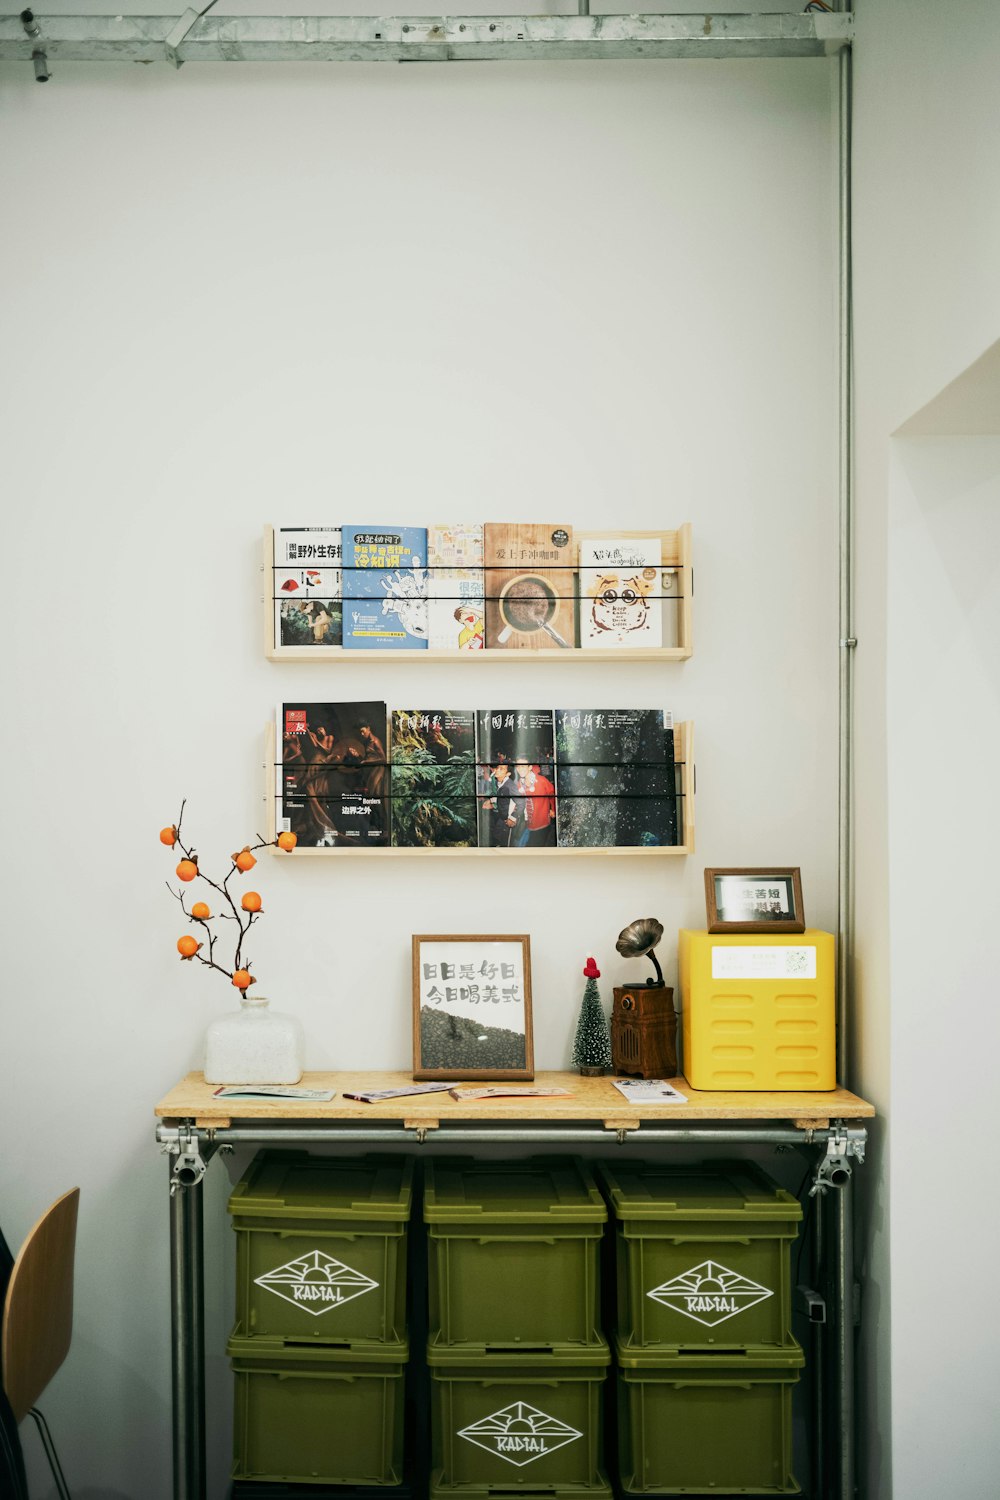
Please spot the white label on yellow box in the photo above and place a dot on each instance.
(762, 961)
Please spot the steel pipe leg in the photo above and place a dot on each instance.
(818, 1353)
(842, 1339)
(187, 1317)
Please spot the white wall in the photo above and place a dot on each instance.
(247, 294)
(943, 707)
(927, 303)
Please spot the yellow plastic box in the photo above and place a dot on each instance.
(758, 1010)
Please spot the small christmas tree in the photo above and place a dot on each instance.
(592, 1047)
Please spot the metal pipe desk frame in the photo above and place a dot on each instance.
(594, 1119)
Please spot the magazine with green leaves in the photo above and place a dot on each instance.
(433, 778)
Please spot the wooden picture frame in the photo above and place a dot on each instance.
(456, 976)
(741, 894)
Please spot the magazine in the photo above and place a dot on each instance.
(509, 1091)
(515, 750)
(332, 780)
(274, 1091)
(620, 588)
(648, 1091)
(615, 778)
(385, 587)
(530, 592)
(307, 586)
(375, 1096)
(433, 777)
(456, 611)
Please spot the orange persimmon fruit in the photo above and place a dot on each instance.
(242, 979)
(168, 836)
(287, 841)
(187, 869)
(200, 911)
(244, 860)
(187, 946)
(251, 901)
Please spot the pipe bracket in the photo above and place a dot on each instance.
(183, 1143)
(174, 38)
(834, 1167)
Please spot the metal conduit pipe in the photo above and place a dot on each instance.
(848, 642)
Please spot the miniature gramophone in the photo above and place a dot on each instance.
(643, 1021)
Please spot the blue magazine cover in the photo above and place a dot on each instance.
(385, 588)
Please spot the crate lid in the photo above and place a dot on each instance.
(476, 1358)
(655, 1190)
(272, 1351)
(752, 1358)
(543, 1190)
(295, 1185)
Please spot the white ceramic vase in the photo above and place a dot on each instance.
(253, 1045)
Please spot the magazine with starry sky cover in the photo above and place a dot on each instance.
(615, 778)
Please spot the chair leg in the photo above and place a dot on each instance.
(50, 1453)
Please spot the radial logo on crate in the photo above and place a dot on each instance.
(709, 1293)
(520, 1433)
(316, 1282)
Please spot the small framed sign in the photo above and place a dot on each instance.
(754, 900)
(472, 1007)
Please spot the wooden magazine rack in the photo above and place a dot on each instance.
(675, 556)
(685, 773)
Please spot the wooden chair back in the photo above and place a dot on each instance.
(38, 1313)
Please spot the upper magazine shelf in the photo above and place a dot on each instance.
(562, 604)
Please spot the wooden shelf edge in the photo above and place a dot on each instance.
(572, 653)
(380, 851)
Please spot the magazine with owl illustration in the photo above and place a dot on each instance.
(385, 588)
(307, 586)
(621, 591)
(332, 783)
(433, 777)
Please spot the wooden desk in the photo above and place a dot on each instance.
(592, 1100)
(827, 1126)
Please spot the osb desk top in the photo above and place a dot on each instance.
(590, 1100)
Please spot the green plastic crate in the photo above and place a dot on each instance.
(517, 1422)
(316, 1415)
(514, 1253)
(717, 1422)
(702, 1256)
(321, 1247)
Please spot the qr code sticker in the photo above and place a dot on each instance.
(798, 961)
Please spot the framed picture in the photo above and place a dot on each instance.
(472, 1007)
(754, 901)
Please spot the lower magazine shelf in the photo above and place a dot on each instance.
(685, 802)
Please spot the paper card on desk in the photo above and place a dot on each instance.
(499, 1092)
(274, 1091)
(375, 1096)
(648, 1091)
